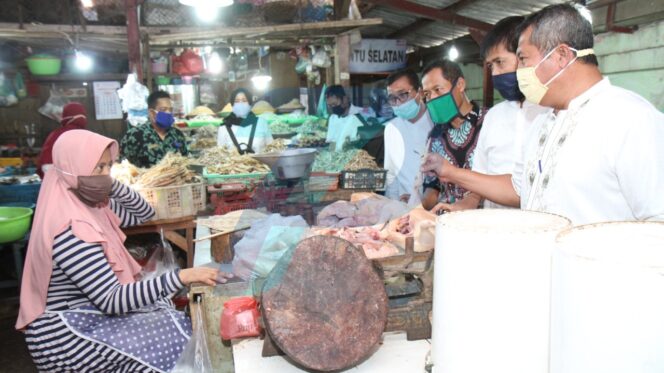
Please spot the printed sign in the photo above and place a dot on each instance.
(377, 55)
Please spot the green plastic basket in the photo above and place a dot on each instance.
(43, 64)
(14, 223)
(212, 179)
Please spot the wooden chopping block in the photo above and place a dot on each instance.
(324, 304)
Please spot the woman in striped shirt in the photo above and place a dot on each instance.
(83, 307)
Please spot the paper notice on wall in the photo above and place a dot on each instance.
(107, 102)
(378, 55)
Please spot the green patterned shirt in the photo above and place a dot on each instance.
(143, 147)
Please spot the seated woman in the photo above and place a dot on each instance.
(83, 306)
(242, 129)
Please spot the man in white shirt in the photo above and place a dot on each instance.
(406, 134)
(597, 155)
(343, 123)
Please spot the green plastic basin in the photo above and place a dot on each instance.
(14, 223)
(43, 64)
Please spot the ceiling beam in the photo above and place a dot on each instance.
(433, 13)
(423, 22)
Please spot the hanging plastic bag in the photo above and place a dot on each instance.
(321, 59)
(240, 318)
(53, 107)
(162, 261)
(133, 96)
(196, 356)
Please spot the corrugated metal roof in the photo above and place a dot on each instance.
(439, 32)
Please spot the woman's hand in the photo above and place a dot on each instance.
(208, 276)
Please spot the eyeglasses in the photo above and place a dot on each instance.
(398, 98)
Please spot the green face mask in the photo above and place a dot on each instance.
(443, 109)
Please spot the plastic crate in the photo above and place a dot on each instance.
(14, 162)
(255, 178)
(323, 182)
(27, 193)
(364, 179)
(223, 208)
(173, 202)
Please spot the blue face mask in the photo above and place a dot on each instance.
(408, 110)
(508, 86)
(164, 120)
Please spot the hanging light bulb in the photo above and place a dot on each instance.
(215, 65)
(261, 81)
(207, 13)
(83, 61)
(453, 53)
(207, 10)
(87, 3)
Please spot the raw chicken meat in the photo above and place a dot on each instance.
(364, 209)
(421, 224)
(371, 240)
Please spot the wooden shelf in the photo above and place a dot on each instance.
(79, 77)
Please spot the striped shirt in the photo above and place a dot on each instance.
(82, 276)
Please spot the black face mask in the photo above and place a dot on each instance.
(338, 110)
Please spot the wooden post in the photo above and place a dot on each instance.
(342, 61)
(487, 95)
(146, 59)
(134, 39)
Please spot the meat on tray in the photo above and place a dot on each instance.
(371, 240)
(363, 210)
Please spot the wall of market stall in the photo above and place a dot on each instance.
(635, 61)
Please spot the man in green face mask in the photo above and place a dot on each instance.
(457, 126)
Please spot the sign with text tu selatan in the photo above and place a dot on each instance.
(377, 55)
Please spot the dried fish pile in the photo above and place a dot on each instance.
(277, 145)
(225, 161)
(278, 128)
(172, 170)
(205, 137)
(348, 160)
(126, 172)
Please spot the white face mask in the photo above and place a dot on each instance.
(529, 83)
(241, 109)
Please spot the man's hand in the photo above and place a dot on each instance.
(442, 208)
(208, 276)
(435, 165)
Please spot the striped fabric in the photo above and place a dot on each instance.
(82, 276)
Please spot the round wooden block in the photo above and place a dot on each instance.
(324, 305)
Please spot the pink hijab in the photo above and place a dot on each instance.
(76, 152)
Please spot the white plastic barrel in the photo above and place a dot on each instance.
(607, 311)
(492, 277)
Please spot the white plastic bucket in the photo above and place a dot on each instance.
(492, 276)
(607, 311)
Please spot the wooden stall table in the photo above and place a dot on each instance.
(170, 227)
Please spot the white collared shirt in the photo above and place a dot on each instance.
(600, 160)
(402, 140)
(501, 139)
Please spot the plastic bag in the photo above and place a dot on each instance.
(188, 63)
(240, 318)
(133, 96)
(52, 108)
(321, 59)
(195, 356)
(264, 244)
(162, 261)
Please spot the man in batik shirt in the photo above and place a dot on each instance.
(146, 144)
